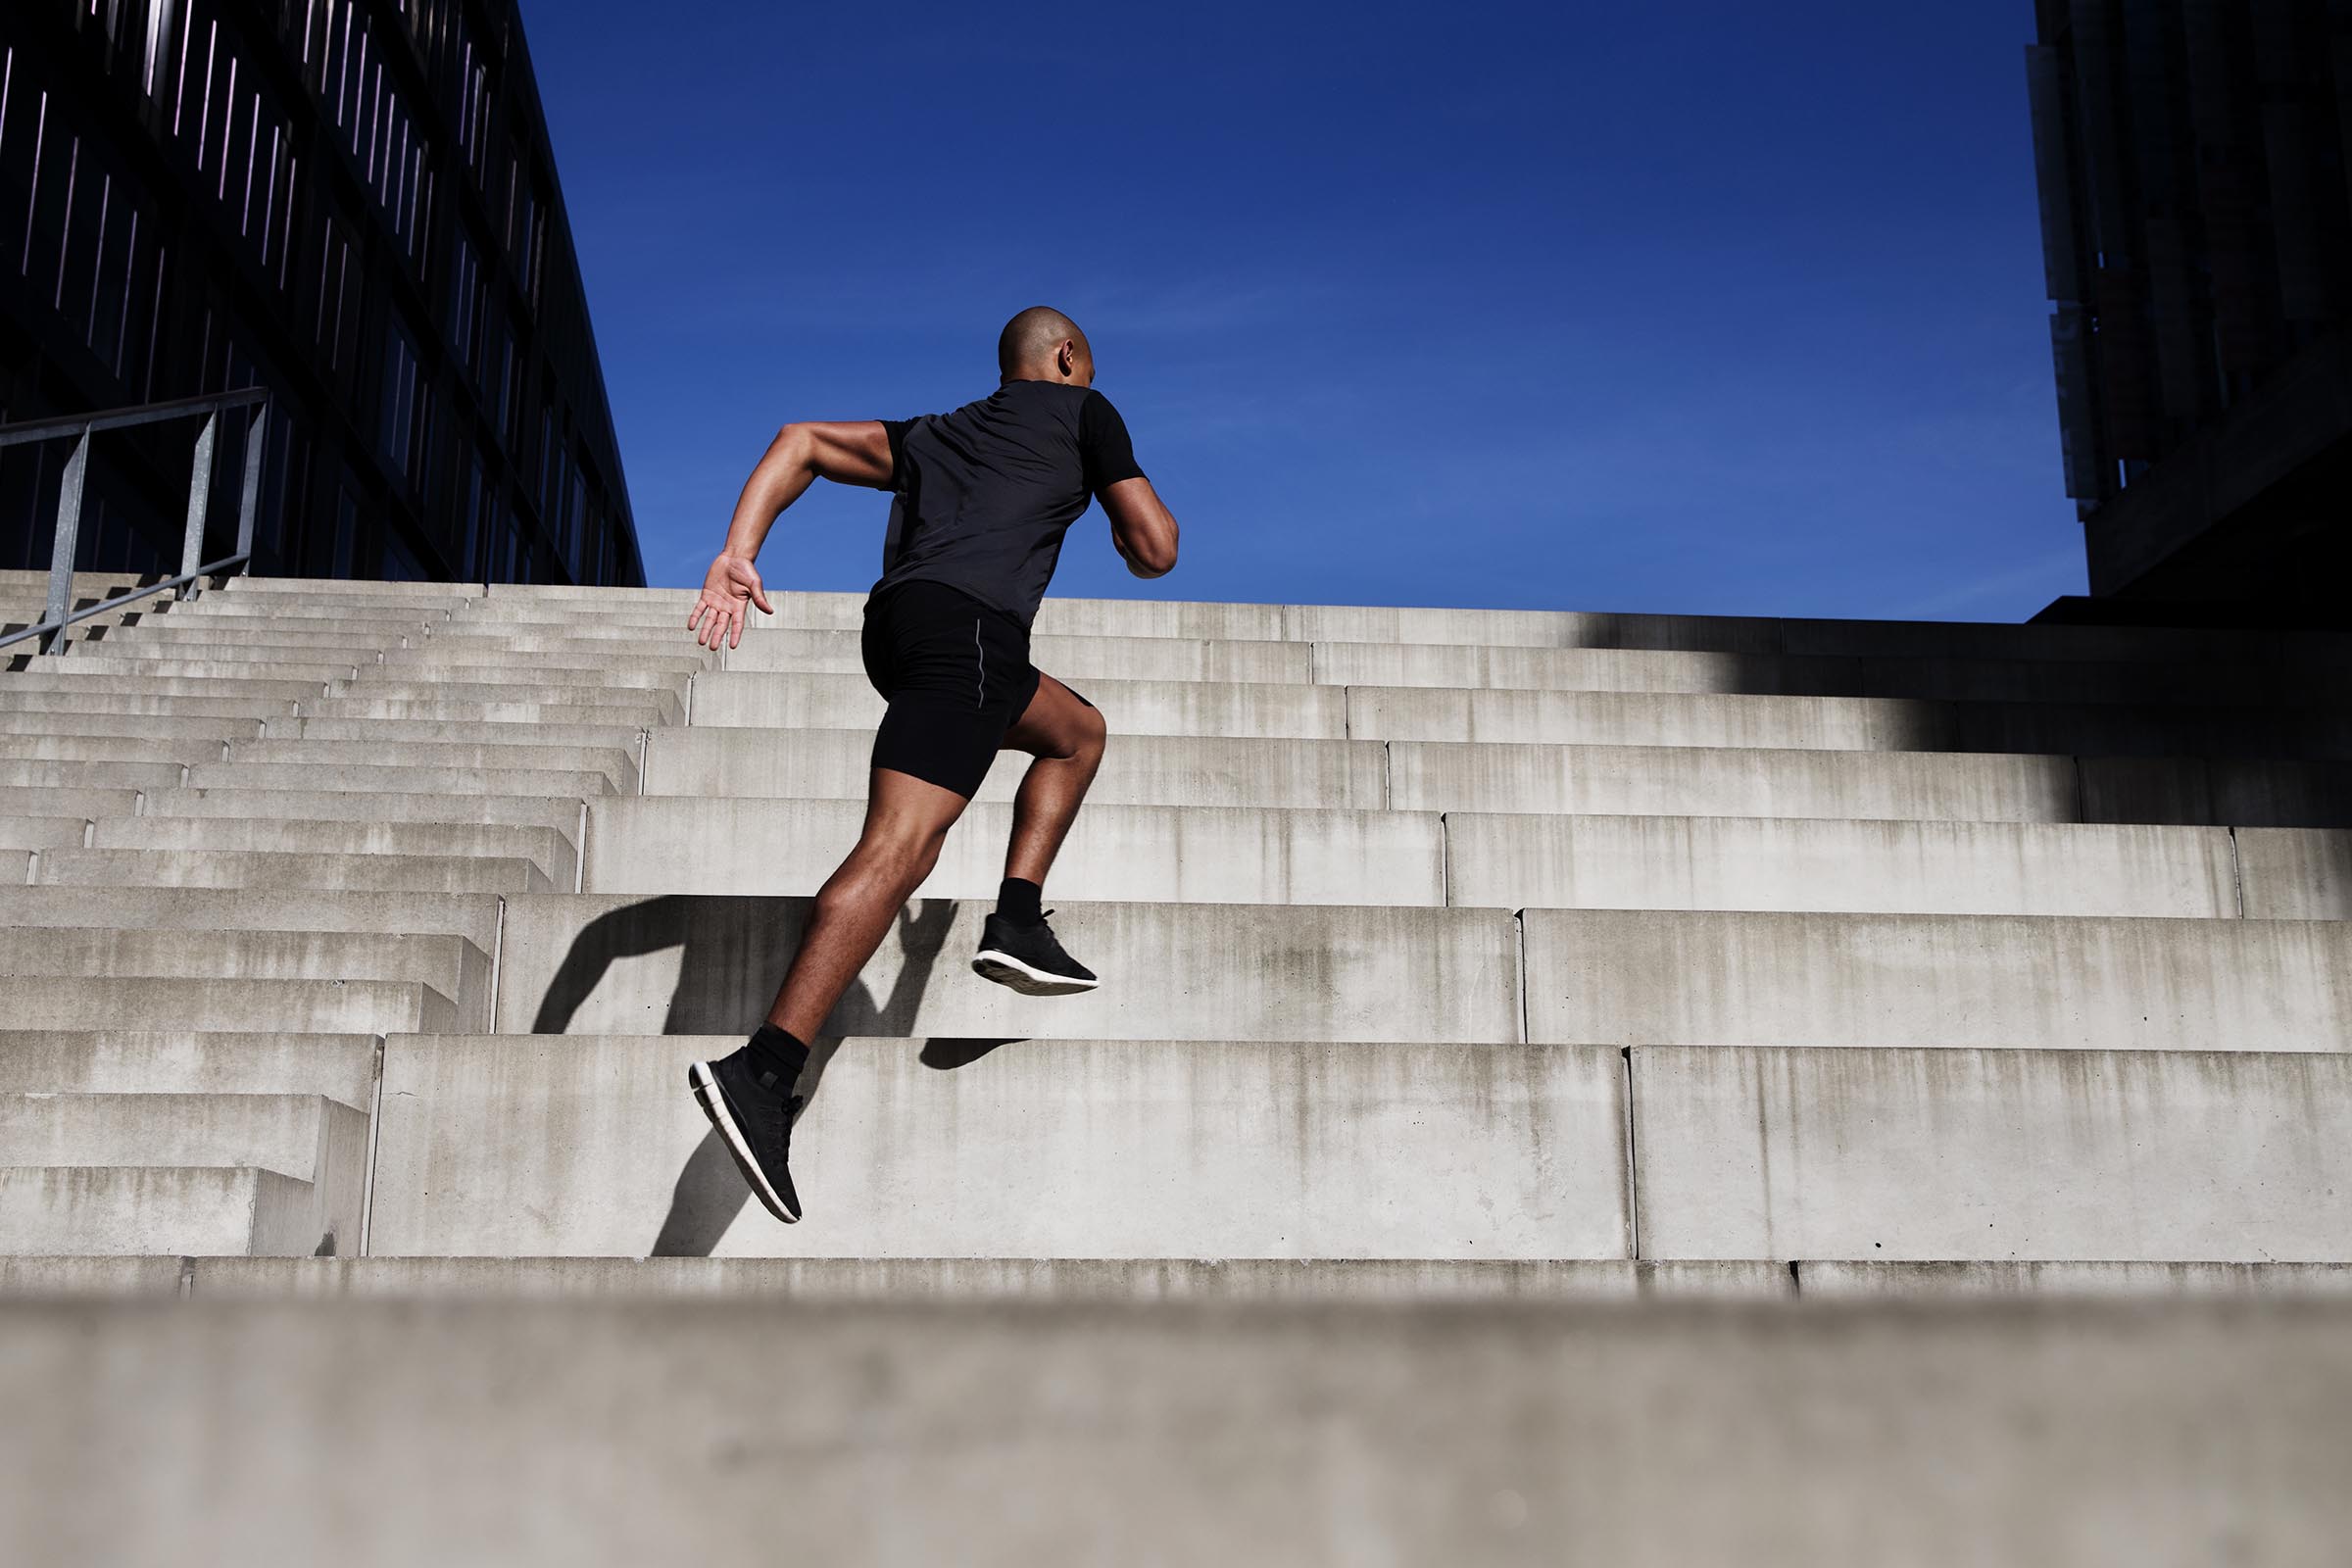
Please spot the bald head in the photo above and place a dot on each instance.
(1041, 344)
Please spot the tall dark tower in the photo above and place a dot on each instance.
(2196, 165)
(349, 202)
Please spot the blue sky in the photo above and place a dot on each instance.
(1710, 308)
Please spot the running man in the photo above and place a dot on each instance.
(980, 501)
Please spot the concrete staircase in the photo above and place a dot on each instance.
(357, 935)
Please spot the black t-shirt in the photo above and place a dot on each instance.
(982, 497)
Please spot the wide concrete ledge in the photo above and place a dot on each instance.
(550, 851)
(136, 1209)
(113, 1061)
(338, 777)
(278, 692)
(452, 965)
(656, 843)
(616, 763)
(183, 750)
(1708, 978)
(560, 814)
(918, 1279)
(52, 773)
(2292, 875)
(1137, 769)
(1267, 709)
(94, 716)
(51, 832)
(1947, 1280)
(2246, 684)
(83, 1276)
(1836, 723)
(318, 1140)
(681, 964)
(124, 666)
(475, 918)
(1765, 864)
(1023, 1149)
(2190, 1157)
(36, 800)
(242, 1006)
(258, 868)
(1776, 1434)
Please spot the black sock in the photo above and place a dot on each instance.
(779, 1052)
(1016, 901)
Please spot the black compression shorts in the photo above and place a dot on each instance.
(957, 675)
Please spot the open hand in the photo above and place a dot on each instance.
(718, 614)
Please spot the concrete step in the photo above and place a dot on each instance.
(560, 814)
(222, 648)
(35, 800)
(2248, 683)
(559, 662)
(1180, 1149)
(2291, 874)
(16, 866)
(1775, 1435)
(23, 773)
(680, 965)
(34, 708)
(894, 1279)
(452, 966)
(337, 591)
(401, 712)
(41, 832)
(591, 637)
(1640, 978)
(881, 1280)
(184, 1061)
(474, 918)
(232, 869)
(2243, 794)
(1948, 1281)
(654, 843)
(1833, 723)
(149, 749)
(325, 636)
(616, 765)
(347, 777)
(90, 666)
(550, 851)
(159, 726)
(1767, 863)
(442, 665)
(2190, 1157)
(1263, 708)
(241, 1006)
(204, 688)
(1137, 769)
(310, 725)
(282, 1132)
(154, 1208)
(670, 705)
(228, 617)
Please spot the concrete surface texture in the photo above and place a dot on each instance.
(353, 939)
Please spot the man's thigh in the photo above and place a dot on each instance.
(1058, 722)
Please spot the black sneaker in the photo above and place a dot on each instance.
(1027, 958)
(753, 1113)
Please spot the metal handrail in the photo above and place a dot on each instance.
(56, 616)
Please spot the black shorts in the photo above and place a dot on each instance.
(957, 675)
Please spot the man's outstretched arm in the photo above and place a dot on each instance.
(852, 452)
(1142, 529)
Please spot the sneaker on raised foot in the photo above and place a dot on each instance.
(1027, 958)
(753, 1110)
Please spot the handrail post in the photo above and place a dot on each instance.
(200, 499)
(249, 502)
(68, 532)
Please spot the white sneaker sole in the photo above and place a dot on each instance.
(1006, 970)
(714, 1105)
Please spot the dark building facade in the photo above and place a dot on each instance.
(349, 202)
(2195, 158)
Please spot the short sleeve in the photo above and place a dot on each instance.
(895, 431)
(1104, 449)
